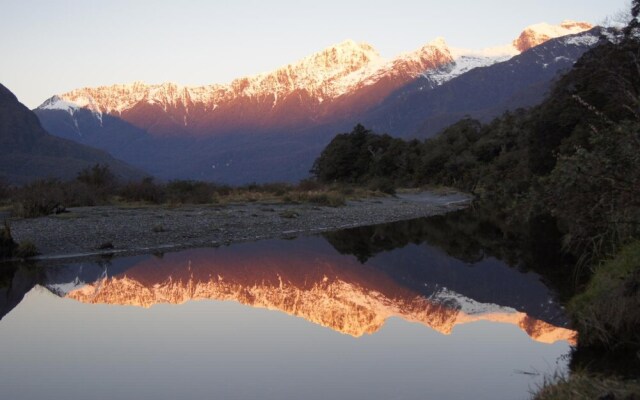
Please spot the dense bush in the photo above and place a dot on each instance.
(360, 156)
(4, 191)
(146, 190)
(39, 198)
(25, 250)
(99, 176)
(607, 314)
(190, 192)
(7, 244)
(329, 198)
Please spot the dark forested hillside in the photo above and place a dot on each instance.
(580, 143)
(419, 110)
(575, 157)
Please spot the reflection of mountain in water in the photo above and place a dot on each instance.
(305, 278)
(475, 237)
(15, 282)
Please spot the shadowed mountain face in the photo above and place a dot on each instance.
(421, 110)
(15, 282)
(272, 126)
(307, 278)
(28, 152)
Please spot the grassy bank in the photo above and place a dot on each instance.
(97, 186)
(607, 312)
(585, 386)
(606, 315)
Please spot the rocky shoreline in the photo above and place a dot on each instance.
(88, 231)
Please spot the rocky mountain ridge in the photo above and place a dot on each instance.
(323, 86)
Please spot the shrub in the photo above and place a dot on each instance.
(7, 244)
(26, 249)
(331, 199)
(99, 176)
(4, 190)
(146, 190)
(307, 185)
(584, 386)
(190, 192)
(290, 214)
(39, 198)
(276, 188)
(222, 190)
(383, 185)
(79, 194)
(158, 228)
(607, 313)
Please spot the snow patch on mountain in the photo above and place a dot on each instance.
(537, 34)
(464, 60)
(326, 75)
(57, 103)
(566, 27)
(582, 40)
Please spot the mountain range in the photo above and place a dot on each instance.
(273, 125)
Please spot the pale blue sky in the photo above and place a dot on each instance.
(50, 47)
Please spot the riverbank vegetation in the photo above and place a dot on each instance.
(575, 158)
(10, 249)
(98, 186)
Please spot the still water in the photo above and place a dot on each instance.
(386, 312)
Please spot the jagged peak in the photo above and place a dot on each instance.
(346, 54)
(435, 52)
(439, 43)
(571, 24)
(328, 73)
(536, 34)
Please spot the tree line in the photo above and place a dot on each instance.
(575, 157)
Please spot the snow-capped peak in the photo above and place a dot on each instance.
(439, 43)
(58, 103)
(537, 34)
(465, 60)
(325, 75)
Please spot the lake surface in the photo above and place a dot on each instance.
(398, 311)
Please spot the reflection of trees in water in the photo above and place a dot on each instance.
(471, 235)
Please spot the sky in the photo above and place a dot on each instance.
(50, 47)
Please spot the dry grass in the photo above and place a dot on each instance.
(45, 197)
(583, 386)
(328, 198)
(305, 193)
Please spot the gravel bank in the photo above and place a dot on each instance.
(83, 230)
